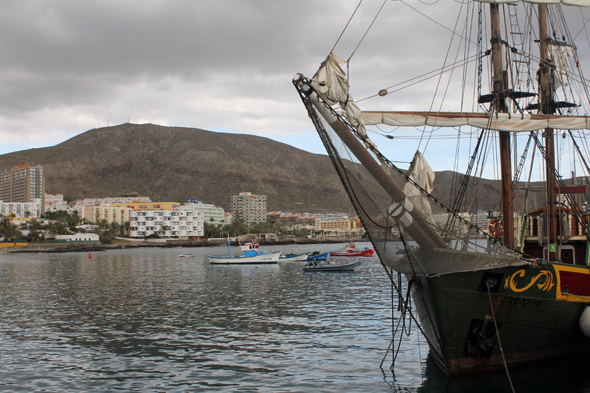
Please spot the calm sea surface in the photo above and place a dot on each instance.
(148, 320)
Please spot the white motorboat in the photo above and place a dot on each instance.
(250, 255)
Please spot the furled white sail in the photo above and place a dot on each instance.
(331, 85)
(577, 3)
(423, 175)
(510, 122)
(560, 54)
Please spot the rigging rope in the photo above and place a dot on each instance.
(367, 32)
(440, 77)
(346, 27)
(498, 333)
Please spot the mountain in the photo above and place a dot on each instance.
(174, 164)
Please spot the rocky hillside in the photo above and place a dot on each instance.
(174, 164)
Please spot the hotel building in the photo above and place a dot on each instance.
(250, 208)
(212, 214)
(24, 184)
(183, 225)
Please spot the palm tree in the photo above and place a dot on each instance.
(163, 229)
(114, 229)
(52, 229)
(35, 225)
(73, 220)
(125, 228)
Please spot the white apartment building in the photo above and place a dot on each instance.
(22, 209)
(212, 214)
(249, 207)
(183, 225)
(55, 203)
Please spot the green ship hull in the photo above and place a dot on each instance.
(536, 309)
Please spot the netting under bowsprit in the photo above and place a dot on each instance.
(402, 225)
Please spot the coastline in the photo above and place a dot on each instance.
(93, 247)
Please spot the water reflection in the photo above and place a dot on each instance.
(147, 320)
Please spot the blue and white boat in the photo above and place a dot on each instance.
(250, 255)
(316, 255)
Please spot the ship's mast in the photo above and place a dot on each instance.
(546, 106)
(500, 86)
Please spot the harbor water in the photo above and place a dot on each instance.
(149, 320)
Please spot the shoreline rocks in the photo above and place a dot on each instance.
(93, 247)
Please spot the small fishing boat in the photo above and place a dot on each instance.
(186, 255)
(250, 254)
(331, 265)
(293, 257)
(316, 255)
(351, 250)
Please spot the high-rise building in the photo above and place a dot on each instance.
(250, 208)
(23, 183)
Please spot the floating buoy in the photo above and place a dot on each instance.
(585, 322)
(90, 255)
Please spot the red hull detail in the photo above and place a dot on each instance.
(350, 250)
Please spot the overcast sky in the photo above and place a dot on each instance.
(220, 65)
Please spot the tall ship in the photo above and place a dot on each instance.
(513, 290)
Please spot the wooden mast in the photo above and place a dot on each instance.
(500, 85)
(546, 106)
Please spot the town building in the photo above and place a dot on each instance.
(23, 183)
(481, 220)
(292, 220)
(330, 217)
(55, 203)
(228, 218)
(120, 212)
(79, 204)
(98, 201)
(331, 224)
(212, 214)
(112, 212)
(179, 224)
(32, 209)
(249, 207)
(78, 237)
